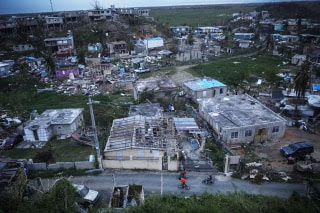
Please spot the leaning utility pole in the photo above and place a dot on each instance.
(94, 129)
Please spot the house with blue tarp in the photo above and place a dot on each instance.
(204, 88)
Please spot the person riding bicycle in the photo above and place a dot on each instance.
(210, 178)
(183, 182)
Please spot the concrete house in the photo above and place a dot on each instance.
(62, 46)
(22, 47)
(244, 43)
(140, 142)
(243, 36)
(289, 38)
(148, 109)
(117, 47)
(204, 88)
(298, 59)
(241, 119)
(159, 88)
(99, 15)
(153, 42)
(180, 30)
(54, 21)
(53, 122)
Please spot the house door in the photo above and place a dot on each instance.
(165, 161)
(260, 135)
(35, 134)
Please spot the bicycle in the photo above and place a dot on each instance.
(186, 187)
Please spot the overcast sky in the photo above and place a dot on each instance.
(33, 6)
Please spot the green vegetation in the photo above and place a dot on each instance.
(215, 153)
(219, 15)
(18, 96)
(235, 202)
(60, 198)
(292, 9)
(63, 150)
(234, 71)
(59, 173)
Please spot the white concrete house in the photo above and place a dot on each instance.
(241, 119)
(53, 122)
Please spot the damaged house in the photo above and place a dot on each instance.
(140, 142)
(241, 119)
(148, 109)
(157, 88)
(61, 46)
(53, 122)
(204, 88)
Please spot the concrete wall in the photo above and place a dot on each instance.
(61, 165)
(135, 153)
(133, 164)
(134, 159)
(225, 134)
(43, 134)
(173, 165)
(67, 129)
(212, 92)
(188, 56)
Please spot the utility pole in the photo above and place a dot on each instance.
(94, 129)
(51, 6)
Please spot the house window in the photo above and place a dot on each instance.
(141, 154)
(248, 133)
(119, 155)
(234, 134)
(275, 129)
(204, 93)
(156, 154)
(221, 90)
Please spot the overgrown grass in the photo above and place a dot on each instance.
(228, 203)
(215, 153)
(234, 71)
(18, 96)
(210, 15)
(63, 150)
(59, 173)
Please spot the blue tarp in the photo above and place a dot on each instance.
(201, 84)
(316, 87)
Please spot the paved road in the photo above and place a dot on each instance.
(167, 183)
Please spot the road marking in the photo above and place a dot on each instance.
(161, 191)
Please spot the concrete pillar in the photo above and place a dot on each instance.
(226, 165)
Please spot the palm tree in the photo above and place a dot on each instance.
(301, 80)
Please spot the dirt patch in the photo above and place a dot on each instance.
(182, 74)
(269, 152)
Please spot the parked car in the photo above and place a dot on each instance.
(89, 196)
(12, 141)
(299, 149)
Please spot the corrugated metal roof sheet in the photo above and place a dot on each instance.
(185, 124)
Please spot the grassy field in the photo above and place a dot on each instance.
(232, 202)
(64, 150)
(234, 71)
(211, 15)
(20, 98)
